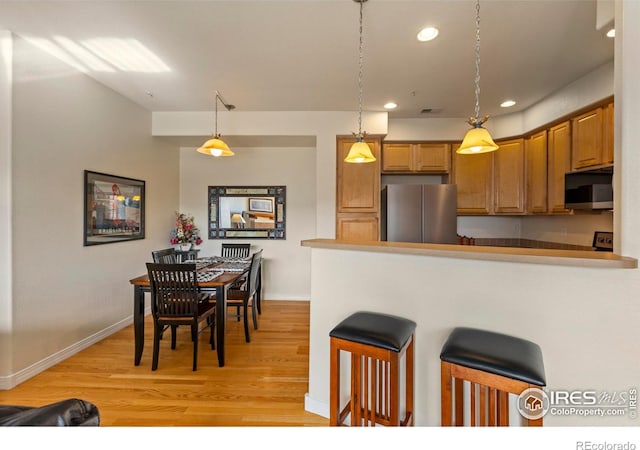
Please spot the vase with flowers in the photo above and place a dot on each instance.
(185, 233)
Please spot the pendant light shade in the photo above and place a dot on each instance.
(360, 152)
(216, 146)
(477, 140)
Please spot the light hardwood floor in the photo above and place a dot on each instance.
(263, 382)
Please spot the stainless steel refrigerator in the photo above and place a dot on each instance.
(419, 213)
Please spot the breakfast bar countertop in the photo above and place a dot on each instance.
(507, 254)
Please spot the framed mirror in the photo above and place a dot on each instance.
(255, 212)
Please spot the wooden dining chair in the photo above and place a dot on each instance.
(236, 250)
(166, 256)
(176, 300)
(246, 298)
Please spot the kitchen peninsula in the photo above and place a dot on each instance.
(507, 254)
(529, 293)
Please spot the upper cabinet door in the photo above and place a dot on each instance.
(587, 143)
(509, 177)
(473, 174)
(397, 157)
(408, 157)
(536, 163)
(434, 158)
(358, 188)
(608, 134)
(559, 160)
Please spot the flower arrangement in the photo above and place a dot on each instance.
(185, 232)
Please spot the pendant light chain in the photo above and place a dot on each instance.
(216, 126)
(360, 64)
(360, 152)
(477, 80)
(477, 140)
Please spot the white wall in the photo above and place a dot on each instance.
(65, 294)
(286, 265)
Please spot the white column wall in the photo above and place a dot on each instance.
(6, 271)
(627, 132)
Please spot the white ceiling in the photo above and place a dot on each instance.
(302, 55)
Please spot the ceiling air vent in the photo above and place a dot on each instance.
(430, 110)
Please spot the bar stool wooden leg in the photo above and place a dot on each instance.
(394, 391)
(445, 394)
(409, 419)
(334, 384)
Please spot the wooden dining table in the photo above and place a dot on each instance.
(219, 285)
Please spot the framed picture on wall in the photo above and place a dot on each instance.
(247, 212)
(603, 241)
(113, 208)
(261, 205)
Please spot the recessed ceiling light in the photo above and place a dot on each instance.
(611, 33)
(507, 103)
(427, 34)
(390, 105)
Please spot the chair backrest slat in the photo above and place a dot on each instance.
(236, 250)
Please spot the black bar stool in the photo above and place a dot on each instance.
(377, 342)
(495, 365)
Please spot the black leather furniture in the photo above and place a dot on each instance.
(497, 363)
(65, 413)
(376, 342)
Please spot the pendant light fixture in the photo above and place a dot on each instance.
(477, 139)
(360, 152)
(216, 146)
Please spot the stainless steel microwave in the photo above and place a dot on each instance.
(588, 191)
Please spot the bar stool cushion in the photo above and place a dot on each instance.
(495, 353)
(379, 330)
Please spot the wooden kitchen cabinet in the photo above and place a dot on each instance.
(358, 193)
(508, 182)
(608, 134)
(491, 183)
(587, 147)
(536, 172)
(408, 157)
(559, 162)
(358, 227)
(473, 174)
